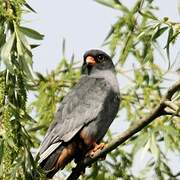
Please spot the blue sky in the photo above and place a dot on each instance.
(83, 23)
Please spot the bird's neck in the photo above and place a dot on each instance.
(109, 76)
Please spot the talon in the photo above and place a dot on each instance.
(97, 147)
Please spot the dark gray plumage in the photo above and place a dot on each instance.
(88, 109)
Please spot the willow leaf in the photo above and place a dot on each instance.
(6, 52)
(31, 33)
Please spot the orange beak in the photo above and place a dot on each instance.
(90, 60)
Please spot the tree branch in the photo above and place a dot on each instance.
(136, 127)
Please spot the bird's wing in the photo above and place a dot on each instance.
(81, 106)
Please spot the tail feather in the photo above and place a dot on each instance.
(59, 158)
(49, 165)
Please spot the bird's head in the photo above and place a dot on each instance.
(95, 60)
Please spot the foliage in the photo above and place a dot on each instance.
(15, 75)
(135, 40)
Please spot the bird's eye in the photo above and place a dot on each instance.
(100, 58)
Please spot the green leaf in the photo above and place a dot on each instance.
(29, 7)
(111, 31)
(6, 52)
(149, 55)
(173, 38)
(170, 35)
(26, 63)
(142, 34)
(24, 41)
(145, 149)
(139, 142)
(126, 48)
(171, 131)
(159, 32)
(33, 46)
(115, 4)
(19, 46)
(31, 33)
(153, 147)
(138, 77)
(148, 15)
(115, 34)
(109, 3)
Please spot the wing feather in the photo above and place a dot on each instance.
(81, 106)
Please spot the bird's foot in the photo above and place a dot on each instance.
(97, 148)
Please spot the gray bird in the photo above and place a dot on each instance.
(84, 115)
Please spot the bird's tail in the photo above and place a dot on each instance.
(59, 158)
(50, 164)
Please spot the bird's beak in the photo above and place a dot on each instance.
(90, 60)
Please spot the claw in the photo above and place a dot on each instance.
(97, 147)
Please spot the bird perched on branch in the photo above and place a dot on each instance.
(84, 115)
